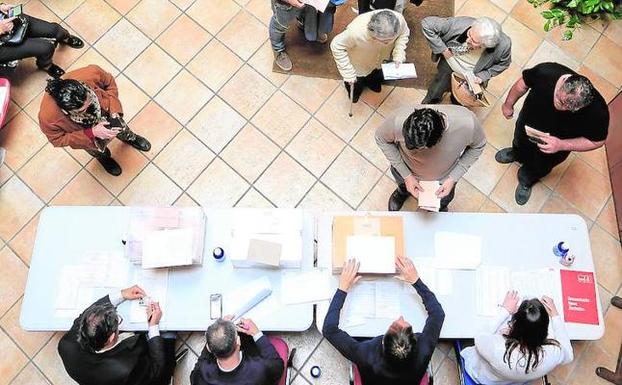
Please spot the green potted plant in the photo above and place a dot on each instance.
(570, 14)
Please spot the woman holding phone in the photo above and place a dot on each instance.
(39, 41)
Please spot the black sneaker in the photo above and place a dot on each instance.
(505, 155)
(396, 201)
(73, 41)
(522, 194)
(110, 165)
(55, 71)
(139, 143)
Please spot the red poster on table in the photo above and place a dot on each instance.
(579, 297)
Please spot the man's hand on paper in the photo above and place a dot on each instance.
(510, 303)
(549, 304)
(134, 292)
(154, 313)
(247, 326)
(408, 272)
(551, 144)
(446, 187)
(412, 185)
(349, 275)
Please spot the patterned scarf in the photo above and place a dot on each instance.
(91, 116)
(461, 49)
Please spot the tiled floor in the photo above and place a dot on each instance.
(195, 78)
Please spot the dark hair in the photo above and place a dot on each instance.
(97, 324)
(580, 91)
(69, 94)
(398, 345)
(528, 330)
(220, 338)
(423, 128)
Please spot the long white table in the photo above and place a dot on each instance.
(66, 234)
(517, 241)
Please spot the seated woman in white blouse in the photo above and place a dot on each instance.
(522, 349)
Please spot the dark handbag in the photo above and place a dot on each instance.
(17, 36)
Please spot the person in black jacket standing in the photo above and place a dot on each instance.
(399, 356)
(94, 352)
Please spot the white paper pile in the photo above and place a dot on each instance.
(376, 254)
(404, 71)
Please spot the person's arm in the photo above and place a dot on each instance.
(385, 139)
(561, 335)
(433, 27)
(106, 81)
(60, 138)
(553, 144)
(516, 92)
(340, 46)
(471, 153)
(499, 66)
(399, 49)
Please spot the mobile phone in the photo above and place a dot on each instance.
(536, 140)
(215, 306)
(15, 11)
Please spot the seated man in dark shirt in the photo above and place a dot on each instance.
(231, 358)
(560, 103)
(399, 356)
(94, 352)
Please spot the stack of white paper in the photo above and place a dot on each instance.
(307, 287)
(155, 284)
(240, 301)
(404, 71)
(457, 251)
(170, 247)
(427, 198)
(376, 254)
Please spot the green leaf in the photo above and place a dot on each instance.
(608, 6)
(547, 14)
(547, 26)
(567, 34)
(572, 4)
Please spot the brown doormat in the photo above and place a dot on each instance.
(316, 60)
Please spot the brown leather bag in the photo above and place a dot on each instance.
(464, 96)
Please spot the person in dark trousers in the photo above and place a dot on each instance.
(237, 354)
(400, 356)
(95, 352)
(564, 106)
(40, 41)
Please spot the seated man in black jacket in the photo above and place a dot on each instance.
(399, 356)
(231, 358)
(94, 352)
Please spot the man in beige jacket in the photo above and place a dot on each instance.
(367, 41)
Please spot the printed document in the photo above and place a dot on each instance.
(169, 247)
(457, 251)
(439, 281)
(376, 254)
(404, 71)
(369, 299)
(427, 198)
(491, 283)
(155, 284)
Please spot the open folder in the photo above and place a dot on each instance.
(404, 71)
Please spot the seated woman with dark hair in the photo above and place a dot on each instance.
(523, 351)
(39, 41)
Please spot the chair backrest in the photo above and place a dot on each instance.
(5, 98)
(283, 350)
(355, 376)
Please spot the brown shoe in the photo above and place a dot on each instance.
(283, 61)
(322, 39)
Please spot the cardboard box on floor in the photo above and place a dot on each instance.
(344, 226)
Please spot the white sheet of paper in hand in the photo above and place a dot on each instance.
(320, 5)
(306, 287)
(404, 71)
(155, 284)
(376, 254)
(427, 198)
(163, 248)
(457, 251)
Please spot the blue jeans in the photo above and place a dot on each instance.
(282, 16)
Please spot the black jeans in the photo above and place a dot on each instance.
(440, 84)
(35, 43)
(401, 187)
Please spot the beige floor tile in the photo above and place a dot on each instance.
(375, 99)
(48, 171)
(607, 219)
(364, 142)
(185, 200)
(150, 188)
(378, 198)
(610, 342)
(603, 60)
(300, 379)
(486, 172)
(584, 371)
(447, 373)
(213, 21)
(81, 19)
(12, 111)
(244, 98)
(13, 360)
(548, 51)
(183, 39)
(253, 199)
(606, 89)
(613, 31)
(216, 124)
(27, 82)
(244, 34)
(351, 177)
(182, 4)
(334, 366)
(64, 55)
(184, 96)
(467, 199)
(155, 124)
(184, 158)
(261, 10)
(315, 147)
(558, 205)
(161, 67)
(63, 8)
(334, 115)
(320, 199)
(506, 5)
(477, 8)
(130, 160)
(552, 179)
(123, 6)
(490, 207)
(133, 99)
(400, 97)
(309, 92)
(30, 375)
(280, 118)
(153, 23)
(18, 204)
(22, 137)
(83, 190)
(262, 62)
(30, 342)
(597, 159)
(503, 194)
(592, 197)
(530, 16)
(32, 109)
(50, 362)
(305, 343)
(285, 182)
(606, 253)
(499, 130)
(218, 186)
(581, 43)
(13, 281)
(524, 40)
(184, 368)
(24, 241)
(250, 153)
(215, 64)
(196, 342)
(122, 44)
(5, 174)
(93, 57)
